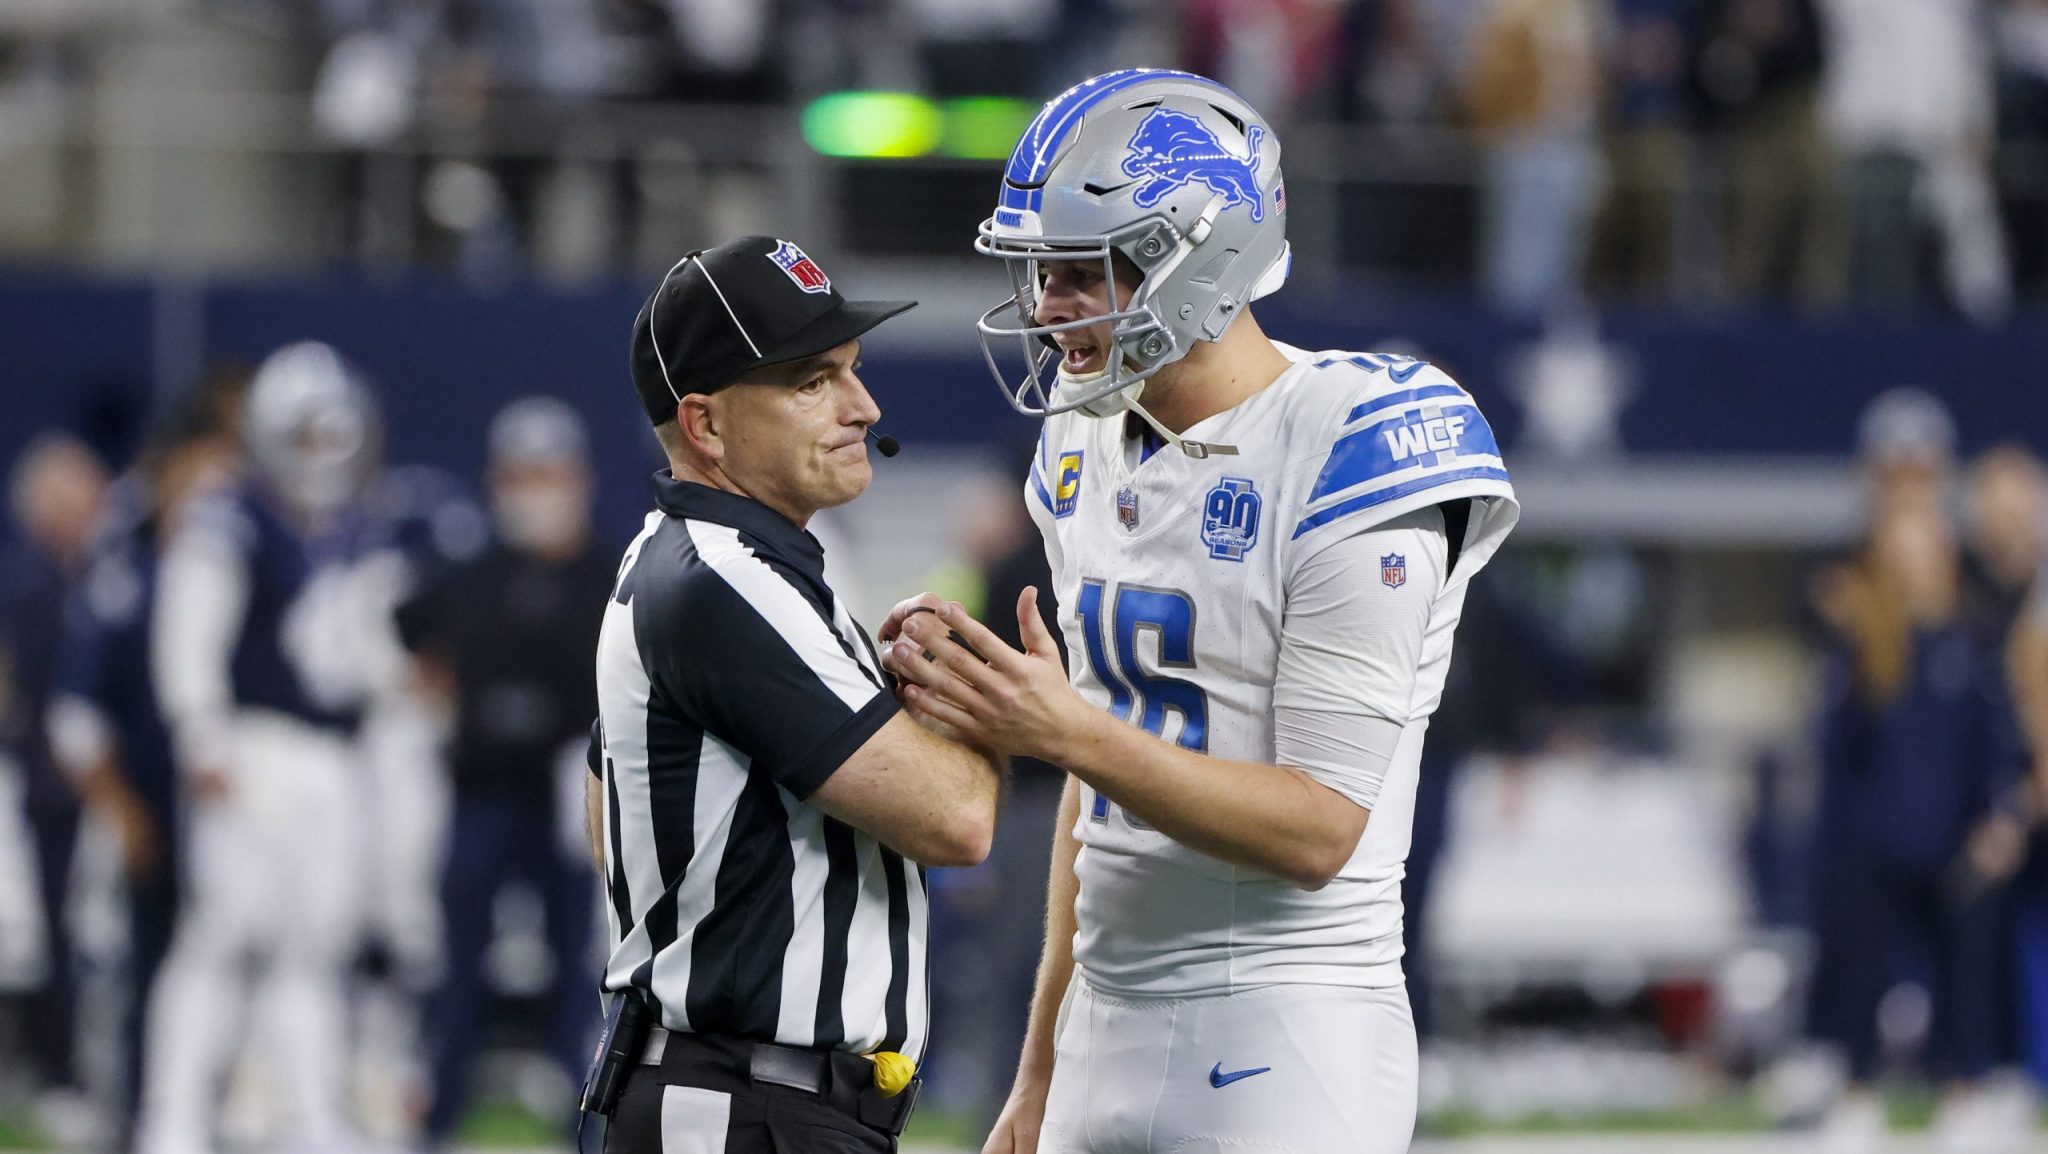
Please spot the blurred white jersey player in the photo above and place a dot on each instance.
(1260, 555)
(259, 666)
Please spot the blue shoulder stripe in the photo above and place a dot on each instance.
(1402, 398)
(1400, 443)
(1395, 493)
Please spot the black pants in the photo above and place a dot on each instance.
(690, 1105)
(49, 1016)
(491, 842)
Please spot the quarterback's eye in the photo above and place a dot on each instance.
(1073, 275)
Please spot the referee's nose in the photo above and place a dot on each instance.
(860, 406)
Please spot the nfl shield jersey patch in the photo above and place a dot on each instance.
(1394, 570)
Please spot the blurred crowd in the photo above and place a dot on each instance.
(332, 718)
(1928, 884)
(1826, 153)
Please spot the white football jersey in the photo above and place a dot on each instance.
(1175, 577)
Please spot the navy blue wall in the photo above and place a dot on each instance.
(79, 353)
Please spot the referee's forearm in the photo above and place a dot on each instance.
(593, 818)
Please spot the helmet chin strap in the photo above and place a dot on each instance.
(1126, 400)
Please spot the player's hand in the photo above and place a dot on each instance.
(892, 627)
(208, 785)
(1996, 849)
(1000, 700)
(1018, 1126)
(141, 845)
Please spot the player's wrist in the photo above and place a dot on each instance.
(1033, 1081)
(1078, 743)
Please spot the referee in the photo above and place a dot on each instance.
(764, 805)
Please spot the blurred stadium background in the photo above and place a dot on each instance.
(1686, 253)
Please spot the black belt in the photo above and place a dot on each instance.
(839, 1078)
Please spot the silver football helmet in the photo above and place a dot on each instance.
(1170, 169)
(312, 427)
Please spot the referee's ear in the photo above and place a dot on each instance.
(698, 425)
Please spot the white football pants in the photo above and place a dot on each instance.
(271, 907)
(1277, 1069)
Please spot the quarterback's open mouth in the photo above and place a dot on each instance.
(1079, 359)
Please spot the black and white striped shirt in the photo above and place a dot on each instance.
(731, 683)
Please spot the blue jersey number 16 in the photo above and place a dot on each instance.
(1135, 695)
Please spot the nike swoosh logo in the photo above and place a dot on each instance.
(1219, 1079)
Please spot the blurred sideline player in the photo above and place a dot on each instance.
(418, 521)
(511, 635)
(56, 490)
(258, 669)
(105, 728)
(1258, 571)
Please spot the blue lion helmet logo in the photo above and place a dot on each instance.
(1173, 149)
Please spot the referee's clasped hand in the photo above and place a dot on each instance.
(1002, 700)
(893, 627)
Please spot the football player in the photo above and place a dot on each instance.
(1259, 556)
(258, 667)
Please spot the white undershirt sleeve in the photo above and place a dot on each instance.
(1350, 647)
(202, 595)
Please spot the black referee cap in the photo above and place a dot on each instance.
(723, 312)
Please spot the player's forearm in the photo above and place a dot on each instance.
(1056, 961)
(202, 594)
(2027, 673)
(1271, 818)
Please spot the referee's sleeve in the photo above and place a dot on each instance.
(764, 670)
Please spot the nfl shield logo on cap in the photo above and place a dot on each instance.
(800, 268)
(1394, 570)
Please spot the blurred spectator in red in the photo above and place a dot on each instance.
(1753, 67)
(1274, 53)
(1533, 86)
(1907, 97)
(56, 492)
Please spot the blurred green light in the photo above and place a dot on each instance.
(985, 127)
(873, 124)
(885, 125)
